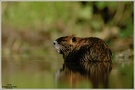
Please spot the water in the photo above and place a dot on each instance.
(36, 73)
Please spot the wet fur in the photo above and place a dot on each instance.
(83, 49)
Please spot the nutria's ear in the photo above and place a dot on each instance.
(73, 39)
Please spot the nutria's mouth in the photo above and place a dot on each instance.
(57, 47)
(59, 50)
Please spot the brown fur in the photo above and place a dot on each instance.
(83, 49)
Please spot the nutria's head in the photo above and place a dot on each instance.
(66, 44)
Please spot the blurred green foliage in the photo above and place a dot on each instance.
(39, 15)
(36, 14)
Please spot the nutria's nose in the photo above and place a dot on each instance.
(55, 42)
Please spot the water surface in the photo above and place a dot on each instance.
(36, 73)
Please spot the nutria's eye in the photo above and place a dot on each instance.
(73, 39)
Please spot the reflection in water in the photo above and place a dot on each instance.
(97, 74)
(36, 73)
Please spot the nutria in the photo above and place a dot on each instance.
(82, 49)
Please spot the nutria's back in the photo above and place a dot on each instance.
(83, 49)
